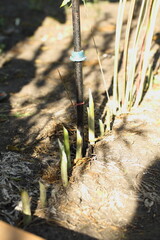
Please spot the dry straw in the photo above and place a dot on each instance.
(129, 91)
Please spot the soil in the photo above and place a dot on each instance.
(114, 193)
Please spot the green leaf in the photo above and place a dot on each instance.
(26, 208)
(91, 121)
(64, 163)
(79, 145)
(67, 146)
(43, 194)
(101, 127)
(64, 3)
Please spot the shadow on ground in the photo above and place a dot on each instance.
(18, 21)
(35, 90)
(146, 220)
(51, 231)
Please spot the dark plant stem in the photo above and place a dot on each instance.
(78, 65)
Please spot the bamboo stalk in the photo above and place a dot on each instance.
(78, 66)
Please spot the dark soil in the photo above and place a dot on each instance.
(113, 194)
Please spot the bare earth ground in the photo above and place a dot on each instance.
(113, 195)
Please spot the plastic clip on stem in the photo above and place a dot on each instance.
(78, 56)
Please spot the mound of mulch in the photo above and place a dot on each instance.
(119, 185)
